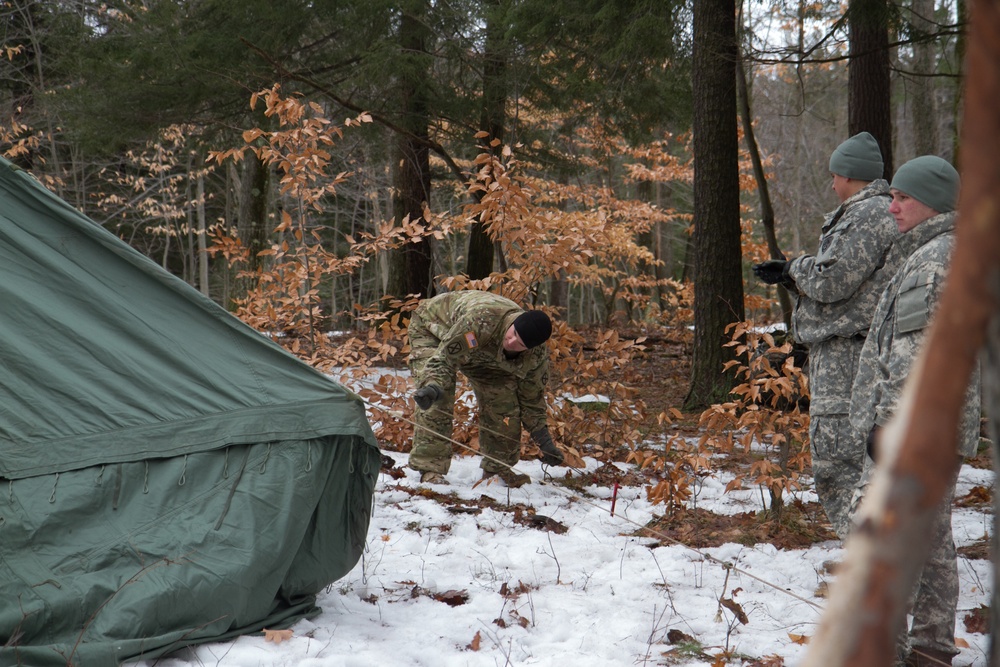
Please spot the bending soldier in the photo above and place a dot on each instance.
(500, 348)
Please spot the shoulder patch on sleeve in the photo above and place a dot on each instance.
(470, 340)
(913, 307)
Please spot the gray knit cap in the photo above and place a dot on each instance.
(931, 180)
(859, 157)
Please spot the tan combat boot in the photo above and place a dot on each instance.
(428, 477)
(509, 476)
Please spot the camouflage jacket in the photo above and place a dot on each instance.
(468, 328)
(897, 331)
(839, 286)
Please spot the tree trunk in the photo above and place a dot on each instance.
(717, 262)
(494, 116)
(868, 85)
(962, 9)
(925, 121)
(202, 260)
(410, 265)
(766, 209)
(868, 601)
(252, 223)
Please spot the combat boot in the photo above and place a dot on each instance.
(428, 477)
(509, 476)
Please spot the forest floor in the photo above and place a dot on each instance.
(580, 567)
(661, 378)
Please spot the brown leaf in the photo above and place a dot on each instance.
(798, 639)
(474, 644)
(452, 598)
(978, 620)
(735, 607)
(676, 637)
(277, 636)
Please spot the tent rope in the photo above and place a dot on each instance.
(727, 565)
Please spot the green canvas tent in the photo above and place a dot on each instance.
(168, 476)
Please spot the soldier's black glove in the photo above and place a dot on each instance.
(551, 456)
(870, 443)
(774, 272)
(425, 397)
(771, 272)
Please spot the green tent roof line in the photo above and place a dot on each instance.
(168, 475)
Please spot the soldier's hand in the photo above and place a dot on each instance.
(425, 397)
(550, 453)
(771, 272)
(871, 442)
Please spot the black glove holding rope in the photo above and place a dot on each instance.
(551, 455)
(425, 397)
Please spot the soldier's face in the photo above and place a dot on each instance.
(841, 186)
(512, 342)
(909, 212)
(846, 187)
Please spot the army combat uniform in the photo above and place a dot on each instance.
(464, 331)
(838, 289)
(893, 344)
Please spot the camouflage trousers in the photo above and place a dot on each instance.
(499, 423)
(934, 601)
(837, 455)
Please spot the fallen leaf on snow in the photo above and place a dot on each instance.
(735, 607)
(452, 598)
(277, 636)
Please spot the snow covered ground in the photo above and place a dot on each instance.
(450, 585)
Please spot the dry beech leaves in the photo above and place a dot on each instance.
(277, 636)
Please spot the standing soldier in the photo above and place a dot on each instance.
(924, 194)
(837, 291)
(500, 348)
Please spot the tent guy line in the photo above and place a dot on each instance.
(726, 565)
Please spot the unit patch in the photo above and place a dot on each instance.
(454, 348)
(470, 340)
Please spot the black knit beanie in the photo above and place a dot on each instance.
(534, 327)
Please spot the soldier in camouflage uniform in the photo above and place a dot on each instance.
(924, 192)
(500, 348)
(837, 290)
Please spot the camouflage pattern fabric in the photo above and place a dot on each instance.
(838, 289)
(463, 331)
(837, 465)
(897, 332)
(893, 344)
(840, 285)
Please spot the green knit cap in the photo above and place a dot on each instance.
(859, 157)
(929, 179)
